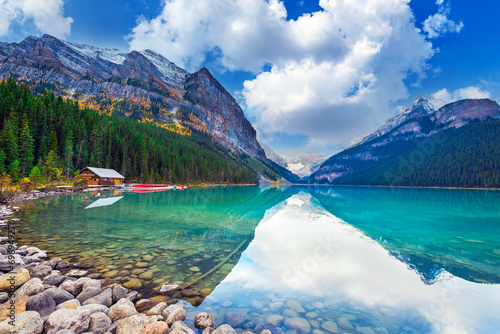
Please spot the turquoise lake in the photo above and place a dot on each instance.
(293, 260)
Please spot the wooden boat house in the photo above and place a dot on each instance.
(102, 176)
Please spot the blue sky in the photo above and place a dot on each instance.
(309, 74)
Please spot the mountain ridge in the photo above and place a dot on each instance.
(146, 83)
(402, 137)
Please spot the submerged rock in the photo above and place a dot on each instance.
(299, 324)
(330, 326)
(235, 319)
(224, 329)
(133, 284)
(344, 323)
(275, 320)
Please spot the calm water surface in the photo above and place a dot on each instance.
(322, 259)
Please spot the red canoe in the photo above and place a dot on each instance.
(149, 185)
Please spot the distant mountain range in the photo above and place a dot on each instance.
(140, 85)
(456, 145)
(298, 162)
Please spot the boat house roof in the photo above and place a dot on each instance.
(105, 173)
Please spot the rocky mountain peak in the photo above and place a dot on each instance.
(462, 112)
(220, 112)
(144, 82)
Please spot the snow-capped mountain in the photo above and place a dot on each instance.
(142, 85)
(393, 144)
(421, 106)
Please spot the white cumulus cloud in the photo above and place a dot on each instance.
(443, 96)
(439, 23)
(333, 74)
(47, 16)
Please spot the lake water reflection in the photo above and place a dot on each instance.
(321, 259)
(302, 254)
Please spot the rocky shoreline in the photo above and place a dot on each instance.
(38, 295)
(9, 210)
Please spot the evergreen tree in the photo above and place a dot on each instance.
(15, 170)
(35, 176)
(2, 162)
(68, 153)
(52, 172)
(26, 149)
(9, 142)
(52, 145)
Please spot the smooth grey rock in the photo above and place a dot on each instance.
(4, 296)
(99, 323)
(41, 303)
(40, 271)
(94, 308)
(30, 259)
(62, 265)
(54, 280)
(88, 293)
(133, 296)
(119, 292)
(59, 295)
(40, 255)
(5, 266)
(104, 298)
(54, 262)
